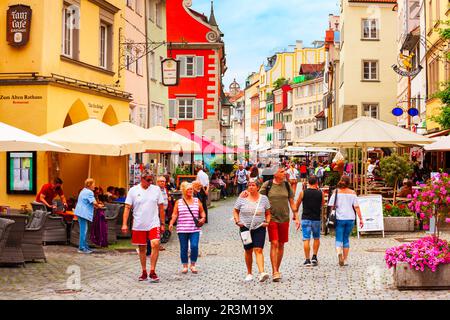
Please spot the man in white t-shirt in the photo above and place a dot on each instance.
(202, 176)
(147, 202)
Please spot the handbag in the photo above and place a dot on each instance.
(197, 223)
(246, 236)
(331, 221)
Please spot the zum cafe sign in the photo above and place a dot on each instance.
(18, 24)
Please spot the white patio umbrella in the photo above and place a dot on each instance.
(442, 144)
(14, 139)
(93, 137)
(157, 139)
(366, 132)
(165, 140)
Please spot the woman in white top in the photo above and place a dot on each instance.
(293, 173)
(346, 209)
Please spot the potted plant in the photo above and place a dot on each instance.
(214, 194)
(395, 168)
(425, 263)
(398, 218)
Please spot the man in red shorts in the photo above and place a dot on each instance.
(147, 202)
(281, 196)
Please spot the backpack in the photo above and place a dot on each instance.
(270, 184)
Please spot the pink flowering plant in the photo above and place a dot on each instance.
(428, 252)
(433, 200)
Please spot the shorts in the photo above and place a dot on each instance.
(258, 238)
(279, 231)
(310, 226)
(139, 238)
(303, 175)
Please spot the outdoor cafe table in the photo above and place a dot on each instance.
(12, 253)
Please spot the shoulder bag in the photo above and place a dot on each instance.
(331, 221)
(246, 235)
(197, 223)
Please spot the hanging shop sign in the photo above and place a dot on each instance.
(170, 72)
(18, 25)
(406, 73)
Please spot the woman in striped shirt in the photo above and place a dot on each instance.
(188, 232)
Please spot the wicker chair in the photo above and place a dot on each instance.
(55, 229)
(12, 252)
(34, 232)
(112, 213)
(119, 220)
(5, 228)
(38, 206)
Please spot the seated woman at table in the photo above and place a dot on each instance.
(406, 189)
(85, 212)
(218, 183)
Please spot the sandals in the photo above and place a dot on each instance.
(194, 270)
(185, 270)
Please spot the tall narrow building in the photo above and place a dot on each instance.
(196, 41)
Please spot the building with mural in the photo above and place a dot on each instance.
(196, 41)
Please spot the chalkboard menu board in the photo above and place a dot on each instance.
(182, 178)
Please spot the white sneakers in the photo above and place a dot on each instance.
(249, 278)
(261, 278)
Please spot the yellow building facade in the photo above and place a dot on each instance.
(66, 73)
(367, 84)
(438, 66)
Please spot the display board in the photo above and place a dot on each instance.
(372, 213)
(21, 172)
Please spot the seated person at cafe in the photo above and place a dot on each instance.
(122, 195)
(110, 193)
(406, 189)
(48, 193)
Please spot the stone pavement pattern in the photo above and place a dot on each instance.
(113, 275)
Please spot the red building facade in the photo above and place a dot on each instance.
(196, 42)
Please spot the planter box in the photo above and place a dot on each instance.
(215, 195)
(399, 224)
(411, 279)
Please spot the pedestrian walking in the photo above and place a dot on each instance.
(345, 202)
(293, 174)
(84, 211)
(303, 172)
(281, 197)
(161, 182)
(252, 214)
(241, 179)
(190, 217)
(147, 202)
(313, 200)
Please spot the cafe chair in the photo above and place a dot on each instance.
(35, 206)
(119, 220)
(12, 251)
(112, 214)
(5, 228)
(32, 244)
(55, 229)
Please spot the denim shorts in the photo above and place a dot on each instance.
(310, 226)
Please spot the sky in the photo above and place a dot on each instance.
(256, 29)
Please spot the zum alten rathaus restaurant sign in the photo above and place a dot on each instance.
(18, 25)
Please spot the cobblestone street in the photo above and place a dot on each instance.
(113, 275)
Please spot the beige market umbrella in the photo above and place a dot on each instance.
(442, 144)
(366, 132)
(14, 139)
(93, 137)
(165, 140)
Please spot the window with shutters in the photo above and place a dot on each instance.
(190, 66)
(70, 32)
(186, 109)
